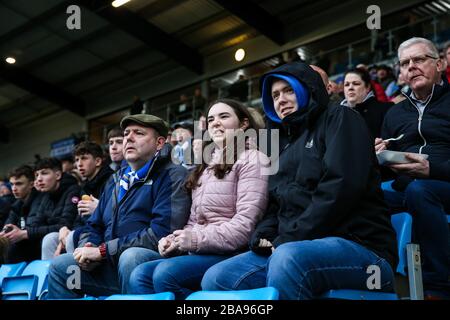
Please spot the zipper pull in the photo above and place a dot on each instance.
(22, 223)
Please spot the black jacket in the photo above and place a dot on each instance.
(5, 207)
(55, 210)
(327, 183)
(22, 208)
(428, 133)
(373, 113)
(93, 187)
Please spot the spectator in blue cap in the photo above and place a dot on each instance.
(326, 221)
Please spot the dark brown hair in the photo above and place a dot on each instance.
(114, 132)
(23, 170)
(88, 147)
(48, 163)
(363, 74)
(221, 169)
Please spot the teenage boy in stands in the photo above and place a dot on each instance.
(89, 161)
(146, 202)
(20, 248)
(115, 142)
(54, 208)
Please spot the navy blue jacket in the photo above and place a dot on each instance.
(151, 209)
(428, 133)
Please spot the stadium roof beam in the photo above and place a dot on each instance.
(105, 65)
(256, 17)
(75, 44)
(157, 7)
(148, 33)
(33, 22)
(42, 89)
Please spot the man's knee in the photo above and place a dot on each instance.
(415, 189)
(128, 256)
(420, 196)
(62, 264)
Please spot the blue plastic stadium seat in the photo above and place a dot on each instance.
(19, 288)
(387, 186)
(155, 296)
(84, 298)
(267, 293)
(402, 224)
(32, 283)
(11, 270)
(358, 295)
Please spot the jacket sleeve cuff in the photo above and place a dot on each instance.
(194, 241)
(30, 234)
(112, 247)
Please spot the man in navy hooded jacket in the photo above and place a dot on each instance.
(145, 202)
(327, 221)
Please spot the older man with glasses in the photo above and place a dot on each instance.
(422, 185)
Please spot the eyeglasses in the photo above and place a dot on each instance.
(417, 61)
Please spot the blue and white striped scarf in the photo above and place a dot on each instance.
(129, 177)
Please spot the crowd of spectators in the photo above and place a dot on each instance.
(167, 209)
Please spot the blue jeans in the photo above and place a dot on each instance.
(181, 275)
(428, 201)
(104, 280)
(301, 270)
(129, 260)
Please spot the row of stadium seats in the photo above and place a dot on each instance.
(267, 293)
(29, 282)
(24, 282)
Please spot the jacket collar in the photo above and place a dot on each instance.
(436, 92)
(368, 96)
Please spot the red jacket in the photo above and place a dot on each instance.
(447, 72)
(379, 91)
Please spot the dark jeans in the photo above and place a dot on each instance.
(428, 201)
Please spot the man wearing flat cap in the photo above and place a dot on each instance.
(182, 151)
(143, 203)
